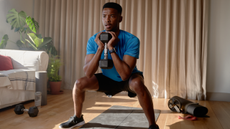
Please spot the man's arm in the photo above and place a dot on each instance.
(124, 67)
(92, 60)
(91, 63)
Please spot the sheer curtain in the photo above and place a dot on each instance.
(173, 35)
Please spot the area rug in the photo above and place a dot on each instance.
(120, 117)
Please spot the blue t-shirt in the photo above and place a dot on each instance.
(128, 45)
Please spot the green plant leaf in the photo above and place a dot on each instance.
(48, 46)
(50, 49)
(39, 36)
(16, 20)
(22, 38)
(16, 29)
(24, 30)
(33, 25)
(19, 43)
(53, 68)
(23, 46)
(35, 39)
(46, 41)
(4, 40)
(33, 46)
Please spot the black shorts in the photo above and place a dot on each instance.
(111, 87)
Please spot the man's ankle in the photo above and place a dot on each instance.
(77, 116)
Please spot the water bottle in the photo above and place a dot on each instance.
(199, 96)
(38, 99)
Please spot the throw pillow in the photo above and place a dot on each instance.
(5, 63)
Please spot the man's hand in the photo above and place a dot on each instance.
(113, 41)
(98, 41)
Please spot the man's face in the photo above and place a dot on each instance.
(111, 19)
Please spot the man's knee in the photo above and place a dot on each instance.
(137, 85)
(80, 84)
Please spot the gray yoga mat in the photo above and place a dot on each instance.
(120, 117)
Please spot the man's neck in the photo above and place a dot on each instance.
(117, 32)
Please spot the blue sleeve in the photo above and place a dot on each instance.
(132, 47)
(91, 46)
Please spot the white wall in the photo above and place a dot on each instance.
(5, 28)
(218, 72)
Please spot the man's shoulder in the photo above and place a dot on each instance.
(91, 39)
(127, 37)
(127, 34)
(94, 36)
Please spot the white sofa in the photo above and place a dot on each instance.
(19, 84)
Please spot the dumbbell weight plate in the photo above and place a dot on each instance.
(33, 111)
(105, 37)
(18, 109)
(106, 64)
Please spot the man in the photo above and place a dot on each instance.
(124, 76)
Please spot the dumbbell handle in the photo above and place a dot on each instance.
(106, 51)
(25, 110)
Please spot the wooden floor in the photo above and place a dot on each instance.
(60, 107)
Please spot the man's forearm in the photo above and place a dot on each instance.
(91, 67)
(122, 68)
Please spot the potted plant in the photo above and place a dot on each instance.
(54, 78)
(27, 28)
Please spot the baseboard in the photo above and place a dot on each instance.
(216, 96)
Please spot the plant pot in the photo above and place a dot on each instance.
(55, 88)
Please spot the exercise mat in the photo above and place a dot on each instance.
(120, 117)
(181, 105)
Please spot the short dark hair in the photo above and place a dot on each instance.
(113, 5)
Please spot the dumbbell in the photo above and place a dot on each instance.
(32, 111)
(105, 63)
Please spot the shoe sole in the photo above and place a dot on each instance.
(79, 124)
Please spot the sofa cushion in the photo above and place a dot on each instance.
(5, 63)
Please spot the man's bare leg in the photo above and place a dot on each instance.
(136, 84)
(80, 86)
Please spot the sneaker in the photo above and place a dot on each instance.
(72, 122)
(153, 127)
